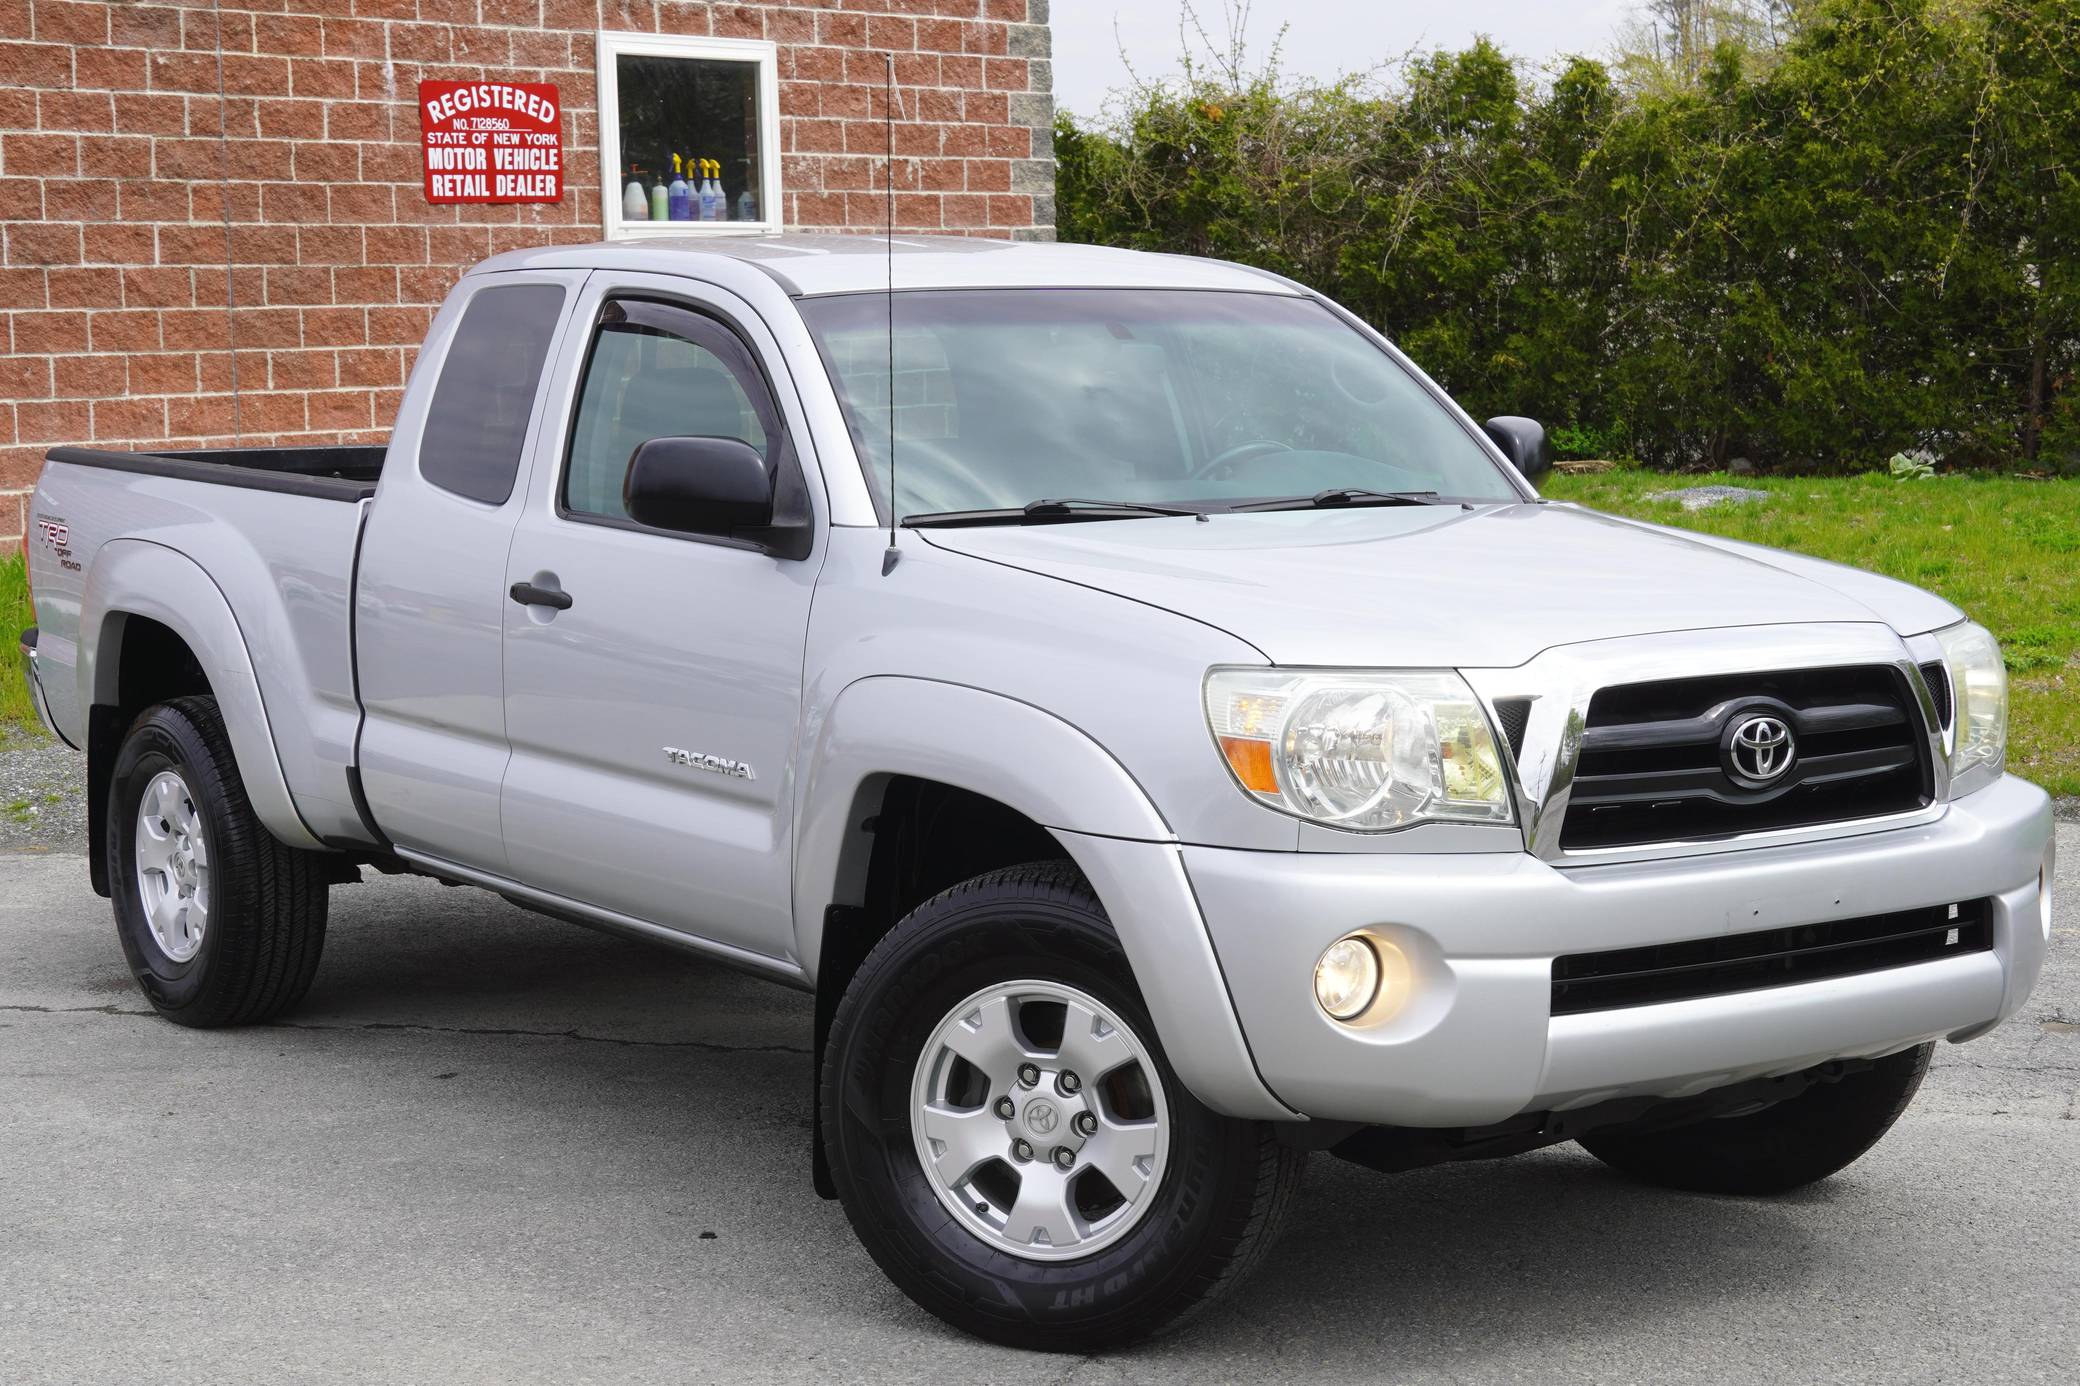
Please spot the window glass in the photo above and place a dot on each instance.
(647, 377)
(1007, 396)
(705, 111)
(477, 422)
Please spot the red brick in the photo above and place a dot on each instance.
(169, 374)
(269, 413)
(63, 23)
(377, 366)
(21, 288)
(297, 36)
(335, 326)
(131, 417)
(147, 113)
(53, 421)
(302, 370)
(267, 327)
(115, 156)
(117, 243)
(44, 243)
(114, 69)
(144, 26)
(89, 377)
(145, 287)
(44, 155)
(196, 329)
(25, 377)
(76, 110)
(98, 287)
(49, 332)
(124, 330)
(340, 409)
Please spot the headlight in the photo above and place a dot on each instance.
(1365, 751)
(1978, 706)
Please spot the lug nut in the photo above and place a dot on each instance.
(1020, 1150)
(1086, 1124)
(1068, 1081)
(1029, 1074)
(1006, 1108)
(1064, 1157)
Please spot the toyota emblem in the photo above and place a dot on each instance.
(1760, 749)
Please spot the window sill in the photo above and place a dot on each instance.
(661, 230)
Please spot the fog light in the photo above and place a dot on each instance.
(1346, 980)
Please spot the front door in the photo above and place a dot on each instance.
(652, 719)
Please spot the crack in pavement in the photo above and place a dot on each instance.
(706, 1046)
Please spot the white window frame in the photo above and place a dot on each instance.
(757, 52)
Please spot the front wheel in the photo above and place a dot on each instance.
(1010, 1142)
(1782, 1147)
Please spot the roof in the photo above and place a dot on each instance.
(806, 264)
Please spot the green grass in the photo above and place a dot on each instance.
(2004, 549)
(17, 716)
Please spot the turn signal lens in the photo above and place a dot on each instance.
(1251, 762)
(1346, 980)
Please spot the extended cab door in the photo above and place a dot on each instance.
(430, 586)
(653, 718)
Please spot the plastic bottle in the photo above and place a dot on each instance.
(678, 194)
(660, 201)
(634, 205)
(712, 201)
(747, 202)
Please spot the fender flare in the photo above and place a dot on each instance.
(136, 577)
(884, 726)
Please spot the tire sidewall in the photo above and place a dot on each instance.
(161, 740)
(867, 1093)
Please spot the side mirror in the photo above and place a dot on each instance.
(1523, 442)
(715, 486)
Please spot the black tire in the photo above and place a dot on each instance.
(1782, 1147)
(1226, 1188)
(266, 901)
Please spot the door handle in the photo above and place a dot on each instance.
(527, 594)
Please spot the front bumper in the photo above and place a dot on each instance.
(33, 678)
(1478, 1042)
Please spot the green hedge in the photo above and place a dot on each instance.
(1865, 245)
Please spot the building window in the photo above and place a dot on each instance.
(689, 132)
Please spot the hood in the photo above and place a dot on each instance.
(1442, 586)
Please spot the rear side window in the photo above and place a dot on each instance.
(478, 421)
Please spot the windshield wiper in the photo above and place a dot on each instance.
(1048, 511)
(1344, 495)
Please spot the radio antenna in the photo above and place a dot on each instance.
(888, 178)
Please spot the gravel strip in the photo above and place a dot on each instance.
(43, 796)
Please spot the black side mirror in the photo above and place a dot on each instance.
(713, 486)
(1523, 442)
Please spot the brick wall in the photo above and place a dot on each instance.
(212, 219)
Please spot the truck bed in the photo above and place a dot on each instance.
(327, 473)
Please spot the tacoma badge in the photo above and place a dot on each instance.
(701, 760)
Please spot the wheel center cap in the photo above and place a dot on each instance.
(1042, 1117)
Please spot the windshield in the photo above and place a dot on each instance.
(1203, 399)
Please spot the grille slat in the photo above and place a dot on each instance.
(1735, 963)
(1652, 767)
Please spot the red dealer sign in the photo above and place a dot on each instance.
(492, 141)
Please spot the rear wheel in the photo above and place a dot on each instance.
(221, 923)
(1779, 1148)
(1010, 1142)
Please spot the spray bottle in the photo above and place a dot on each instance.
(634, 206)
(678, 194)
(747, 201)
(712, 202)
(660, 200)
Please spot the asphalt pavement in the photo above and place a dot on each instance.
(494, 1148)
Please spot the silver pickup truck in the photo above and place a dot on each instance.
(1166, 734)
